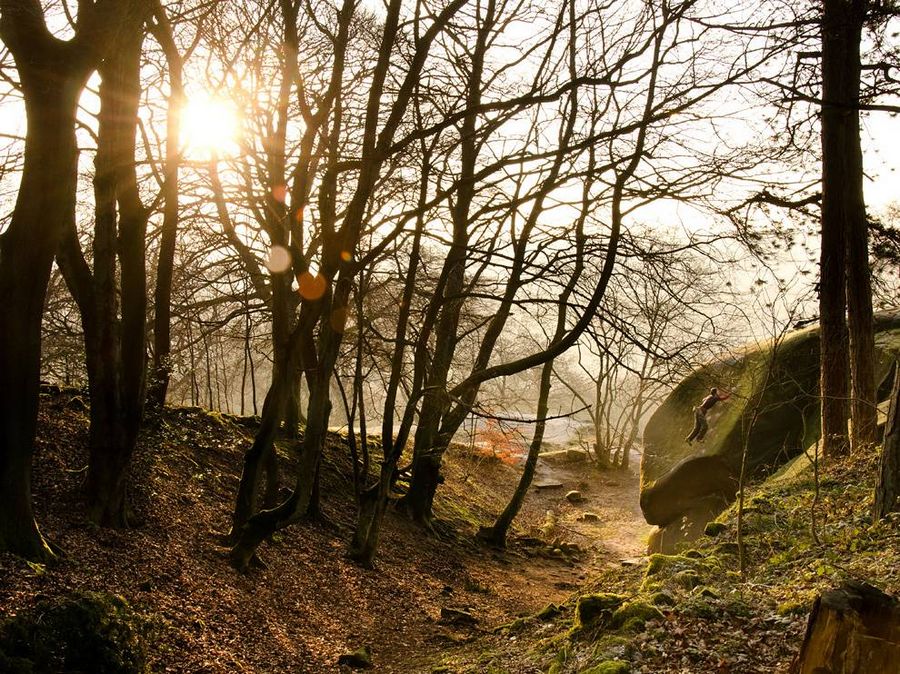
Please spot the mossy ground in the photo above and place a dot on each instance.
(695, 612)
(80, 632)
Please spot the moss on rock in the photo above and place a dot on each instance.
(82, 632)
(686, 579)
(707, 592)
(634, 614)
(590, 607)
(662, 598)
(550, 611)
(715, 528)
(676, 476)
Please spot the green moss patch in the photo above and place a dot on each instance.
(82, 632)
(591, 607)
(608, 667)
(715, 528)
(634, 614)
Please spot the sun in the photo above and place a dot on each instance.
(209, 126)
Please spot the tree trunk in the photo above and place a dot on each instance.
(887, 491)
(845, 97)
(45, 202)
(496, 534)
(852, 630)
(842, 208)
(263, 524)
(162, 304)
(106, 483)
(115, 336)
(258, 457)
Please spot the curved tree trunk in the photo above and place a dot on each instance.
(496, 534)
(52, 74)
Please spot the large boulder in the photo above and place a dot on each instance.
(678, 478)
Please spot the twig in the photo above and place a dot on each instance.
(517, 420)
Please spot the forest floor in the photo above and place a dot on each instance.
(311, 604)
(573, 593)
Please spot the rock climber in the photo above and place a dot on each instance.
(701, 425)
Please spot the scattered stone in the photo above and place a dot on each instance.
(591, 607)
(589, 517)
(565, 456)
(548, 485)
(455, 616)
(358, 659)
(715, 528)
(632, 561)
(574, 496)
(446, 591)
(77, 404)
(634, 614)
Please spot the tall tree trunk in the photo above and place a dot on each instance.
(842, 213)
(45, 201)
(52, 77)
(373, 501)
(165, 266)
(863, 411)
(428, 452)
(887, 491)
(52, 73)
(115, 336)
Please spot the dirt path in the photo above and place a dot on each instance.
(522, 580)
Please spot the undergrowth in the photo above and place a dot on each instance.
(691, 611)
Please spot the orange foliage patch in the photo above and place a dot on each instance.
(495, 441)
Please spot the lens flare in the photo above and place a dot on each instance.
(279, 260)
(311, 287)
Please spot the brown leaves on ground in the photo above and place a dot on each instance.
(310, 604)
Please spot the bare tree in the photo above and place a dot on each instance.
(52, 74)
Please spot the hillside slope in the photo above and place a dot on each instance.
(311, 604)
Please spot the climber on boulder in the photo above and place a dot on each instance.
(701, 425)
